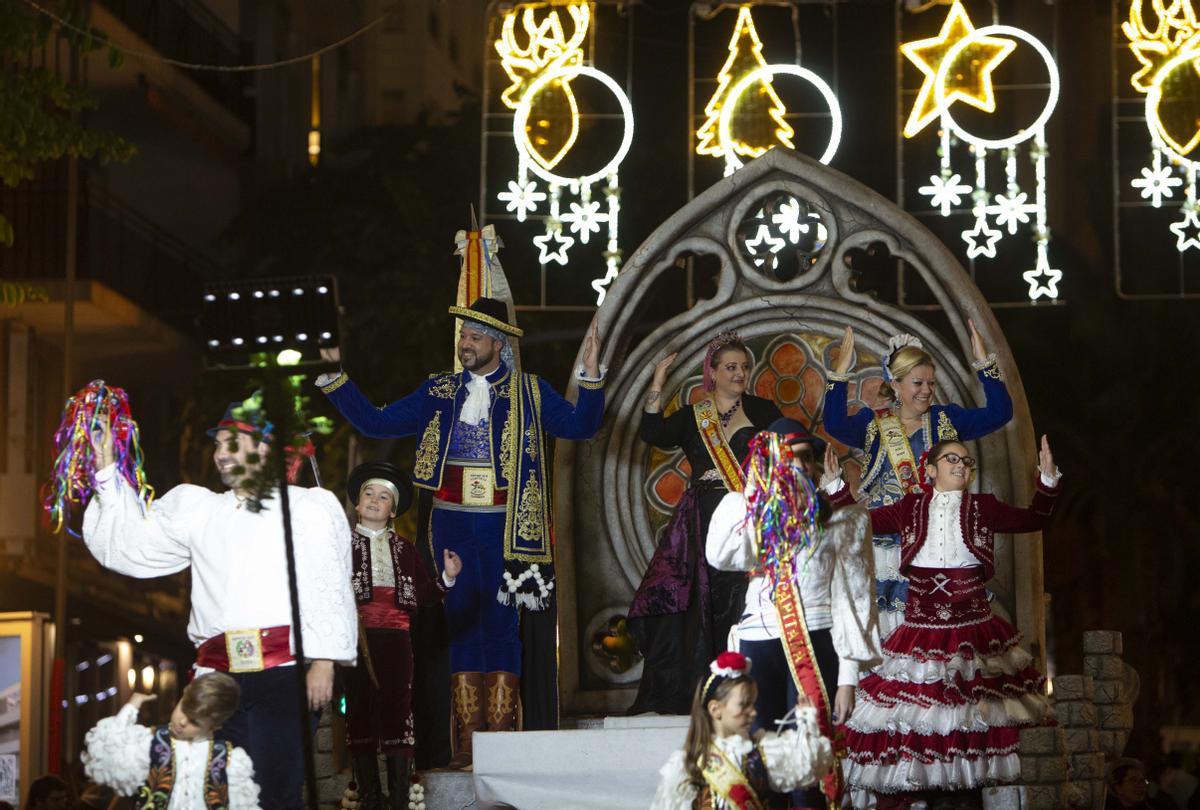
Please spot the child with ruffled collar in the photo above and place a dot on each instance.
(178, 765)
(725, 768)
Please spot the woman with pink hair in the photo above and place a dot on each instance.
(684, 608)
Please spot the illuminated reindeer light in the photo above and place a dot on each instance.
(553, 122)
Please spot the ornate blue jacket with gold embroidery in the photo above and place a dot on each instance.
(943, 422)
(432, 411)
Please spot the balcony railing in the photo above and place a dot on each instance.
(186, 30)
(117, 246)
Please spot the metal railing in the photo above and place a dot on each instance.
(118, 246)
(186, 30)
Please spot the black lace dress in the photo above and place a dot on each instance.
(684, 608)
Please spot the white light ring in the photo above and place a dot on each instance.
(731, 98)
(939, 85)
(521, 119)
(1154, 96)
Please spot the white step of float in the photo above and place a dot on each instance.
(607, 768)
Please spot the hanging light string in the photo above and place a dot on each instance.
(154, 57)
(782, 509)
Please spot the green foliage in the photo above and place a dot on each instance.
(14, 293)
(279, 407)
(39, 107)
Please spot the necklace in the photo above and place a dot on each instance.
(727, 415)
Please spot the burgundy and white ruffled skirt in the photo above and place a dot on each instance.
(945, 709)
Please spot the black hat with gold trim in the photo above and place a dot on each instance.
(490, 312)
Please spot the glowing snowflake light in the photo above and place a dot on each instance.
(1011, 210)
(585, 219)
(1157, 182)
(944, 192)
(522, 198)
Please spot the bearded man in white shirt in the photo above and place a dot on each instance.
(810, 622)
(241, 606)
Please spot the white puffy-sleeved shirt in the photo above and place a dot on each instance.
(793, 758)
(117, 754)
(237, 557)
(836, 583)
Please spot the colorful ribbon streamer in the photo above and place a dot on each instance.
(73, 478)
(782, 508)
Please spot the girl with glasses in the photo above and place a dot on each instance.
(944, 710)
(896, 435)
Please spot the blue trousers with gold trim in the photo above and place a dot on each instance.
(484, 634)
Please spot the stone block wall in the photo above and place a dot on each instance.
(1063, 766)
(330, 783)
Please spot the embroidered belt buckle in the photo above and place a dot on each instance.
(245, 650)
(478, 486)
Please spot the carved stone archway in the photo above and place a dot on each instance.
(606, 522)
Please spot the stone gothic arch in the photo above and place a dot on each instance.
(611, 491)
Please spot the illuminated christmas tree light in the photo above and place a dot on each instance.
(745, 117)
(752, 139)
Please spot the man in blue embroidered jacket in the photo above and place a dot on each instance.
(482, 453)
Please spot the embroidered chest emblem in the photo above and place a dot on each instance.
(427, 450)
(444, 388)
(942, 611)
(945, 428)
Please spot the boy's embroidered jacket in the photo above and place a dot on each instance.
(942, 422)
(414, 587)
(981, 516)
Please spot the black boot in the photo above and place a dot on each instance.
(397, 771)
(366, 774)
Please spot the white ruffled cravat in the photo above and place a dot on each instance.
(479, 400)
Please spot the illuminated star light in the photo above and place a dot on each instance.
(585, 219)
(1187, 230)
(1038, 288)
(1156, 182)
(982, 239)
(973, 72)
(600, 285)
(1011, 210)
(553, 254)
(521, 198)
(944, 192)
(761, 237)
